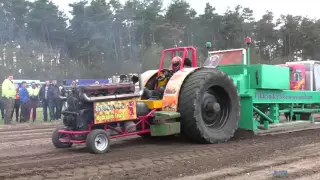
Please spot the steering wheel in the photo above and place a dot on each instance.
(164, 73)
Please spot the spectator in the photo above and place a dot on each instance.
(44, 98)
(74, 84)
(2, 107)
(8, 96)
(24, 102)
(54, 100)
(62, 93)
(16, 103)
(34, 100)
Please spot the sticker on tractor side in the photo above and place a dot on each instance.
(171, 93)
(213, 60)
(280, 96)
(216, 58)
(114, 111)
(299, 85)
(171, 103)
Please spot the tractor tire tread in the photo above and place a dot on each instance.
(188, 101)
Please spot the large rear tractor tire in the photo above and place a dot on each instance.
(209, 105)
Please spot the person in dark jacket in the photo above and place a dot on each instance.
(44, 98)
(24, 102)
(54, 100)
(34, 100)
(16, 104)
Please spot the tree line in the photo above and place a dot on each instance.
(38, 41)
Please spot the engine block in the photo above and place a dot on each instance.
(108, 89)
(80, 100)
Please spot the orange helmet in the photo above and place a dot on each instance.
(176, 62)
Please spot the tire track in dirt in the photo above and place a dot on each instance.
(296, 167)
(107, 170)
(31, 136)
(263, 170)
(84, 158)
(313, 176)
(23, 143)
(16, 136)
(195, 163)
(28, 131)
(24, 137)
(21, 127)
(133, 153)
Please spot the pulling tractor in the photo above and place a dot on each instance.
(205, 104)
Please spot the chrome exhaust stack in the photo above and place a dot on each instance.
(108, 98)
(140, 84)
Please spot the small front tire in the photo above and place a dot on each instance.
(98, 141)
(56, 136)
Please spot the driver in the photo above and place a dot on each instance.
(164, 77)
(176, 62)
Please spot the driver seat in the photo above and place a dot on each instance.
(157, 94)
(150, 92)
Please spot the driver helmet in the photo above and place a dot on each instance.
(176, 62)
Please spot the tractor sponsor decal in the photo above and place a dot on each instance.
(171, 104)
(171, 93)
(213, 60)
(299, 85)
(114, 111)
(279, 96)
(224, 57)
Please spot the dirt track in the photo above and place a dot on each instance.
(26, 153)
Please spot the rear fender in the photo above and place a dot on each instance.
(171, 93)
(146, 76)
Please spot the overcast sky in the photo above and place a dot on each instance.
(308, 8)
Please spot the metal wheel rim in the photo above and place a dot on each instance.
(216, 94)
(101, 142)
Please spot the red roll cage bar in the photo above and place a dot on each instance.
(185, 54)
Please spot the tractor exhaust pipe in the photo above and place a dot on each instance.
(86, 98)
(108, 98)
(140, 85)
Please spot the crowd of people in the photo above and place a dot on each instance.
(15, 98)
